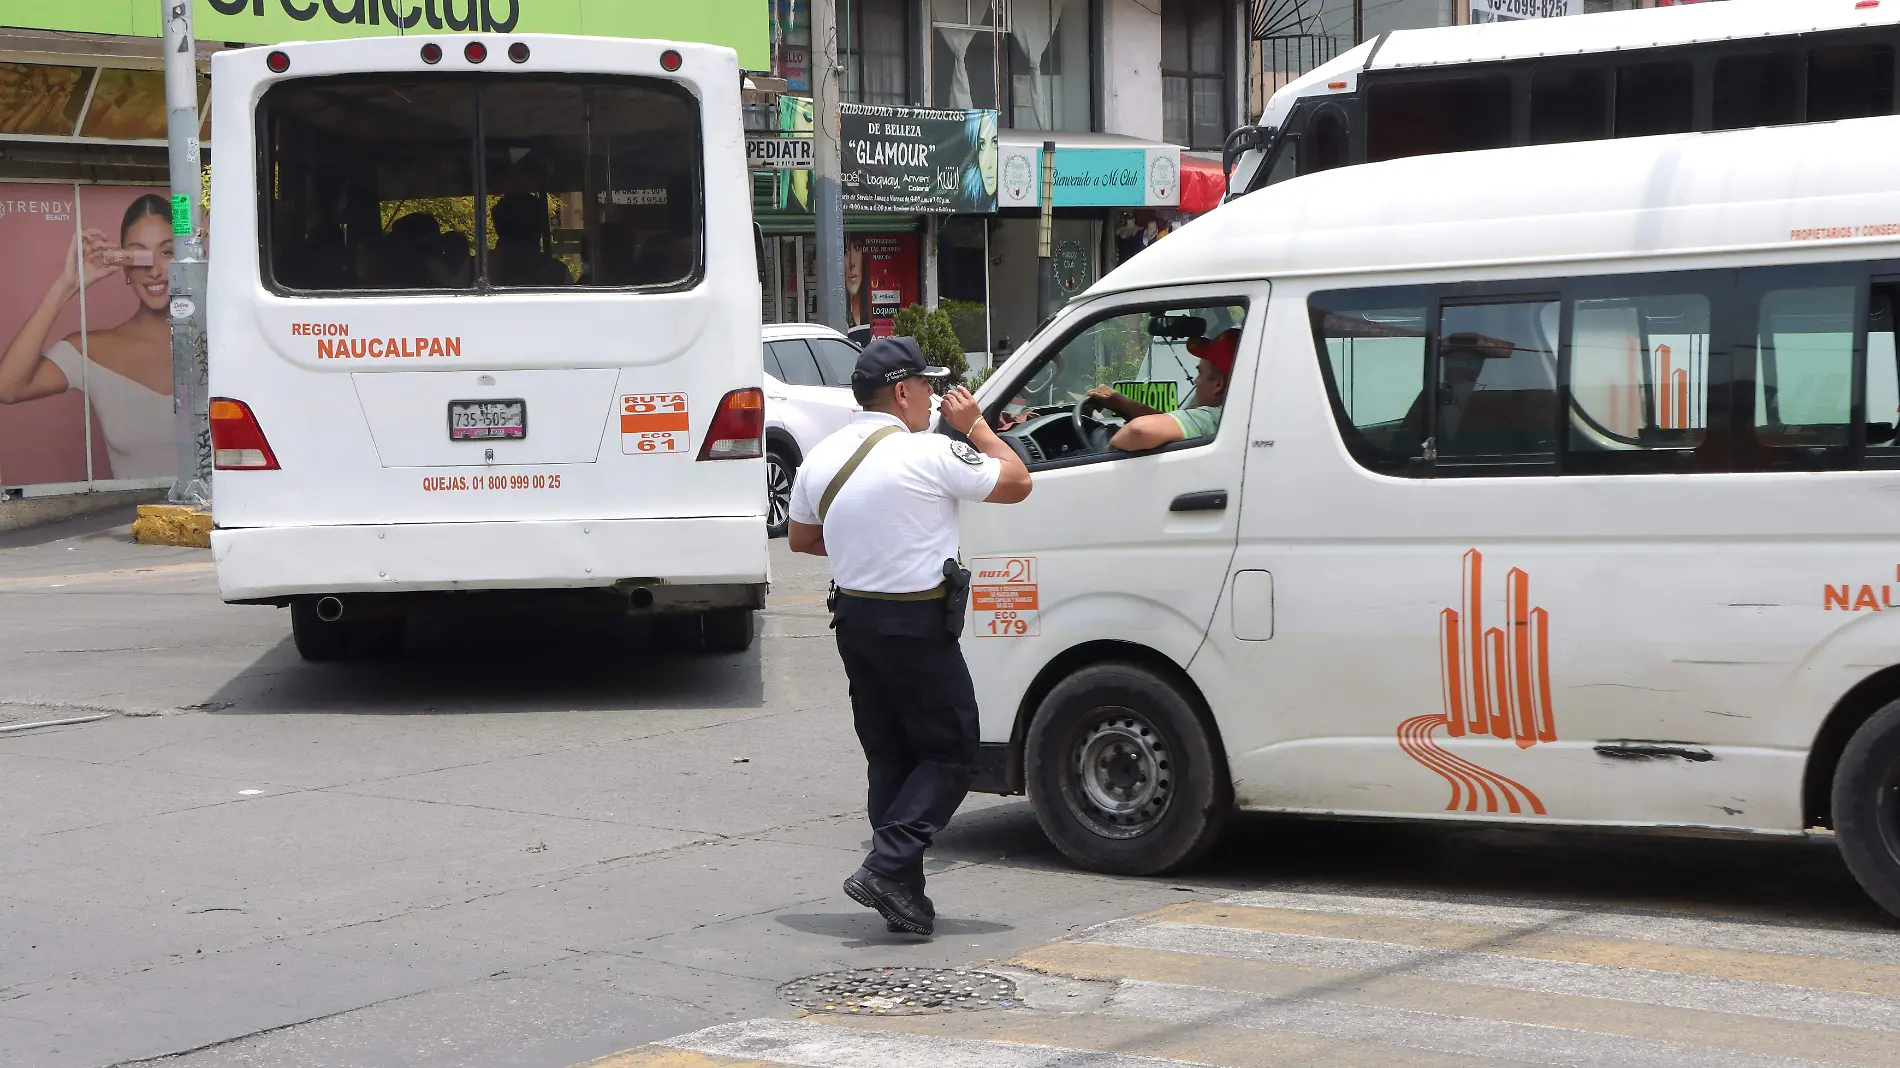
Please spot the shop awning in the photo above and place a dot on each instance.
(1093, 170)
(1203, 183)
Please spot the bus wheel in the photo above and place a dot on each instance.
(726, 630)
(1124, 776)
(316, 640)
(1867, 807)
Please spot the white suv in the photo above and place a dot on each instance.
(807, 397)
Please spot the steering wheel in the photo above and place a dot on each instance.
(1088, 431)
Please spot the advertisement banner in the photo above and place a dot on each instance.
(918, 161)
(1483, 11)
(1093, 177)
(87, 360)
(733, 23)
(880, 277)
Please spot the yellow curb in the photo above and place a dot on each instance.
(172, 524)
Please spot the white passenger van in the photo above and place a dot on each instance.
(1614, 74)
(484, 319)
(1553, 485)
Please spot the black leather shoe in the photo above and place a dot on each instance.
(892, 900)
(930, 910)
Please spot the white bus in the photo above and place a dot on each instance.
(1552, 485)
(1726, 66)
(484, 320)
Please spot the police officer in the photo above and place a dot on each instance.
(880, 499)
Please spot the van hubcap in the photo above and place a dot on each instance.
(1123, 769)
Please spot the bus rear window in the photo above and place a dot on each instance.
(460, 183)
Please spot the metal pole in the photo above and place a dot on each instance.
(1045, 224)
(1358, 22)
(827, 165)
(188, 269)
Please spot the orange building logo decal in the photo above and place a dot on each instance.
(1496, 681)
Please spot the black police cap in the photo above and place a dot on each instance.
(888, 360)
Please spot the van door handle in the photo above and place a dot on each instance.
(1204, 501)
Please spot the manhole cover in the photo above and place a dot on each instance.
(900, 991)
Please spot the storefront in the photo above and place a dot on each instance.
(1103, 183)
(85, 351)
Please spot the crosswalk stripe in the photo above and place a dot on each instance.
(1740, 933)
(1678, 989)
(663, 1057)
(1857, 977)
(839, 1045)
(1320, 988)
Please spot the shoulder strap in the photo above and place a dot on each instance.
(850, 466)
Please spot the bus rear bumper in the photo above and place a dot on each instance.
(273, 564)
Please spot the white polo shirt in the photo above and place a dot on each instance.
(892, 526)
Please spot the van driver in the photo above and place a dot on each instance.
(1149, 429)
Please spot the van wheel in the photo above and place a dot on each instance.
(1124, 775)
(1867, 807)
(726, 630)
(780, 469)
(317, 641)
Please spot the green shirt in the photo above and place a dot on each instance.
(1197, 422)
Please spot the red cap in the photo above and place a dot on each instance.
(1219, 352)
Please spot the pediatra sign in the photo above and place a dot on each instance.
(737, 24)
(1517, 10)
(918, 160)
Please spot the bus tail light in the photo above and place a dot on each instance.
(237, 442)
(670, 60)
(737, 427)
(278, 62)
(475, 52)
(432, 53)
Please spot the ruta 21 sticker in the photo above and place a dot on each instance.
(1003, 597)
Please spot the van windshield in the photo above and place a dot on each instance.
(458, 182)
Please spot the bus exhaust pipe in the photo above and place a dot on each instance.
(329, 609)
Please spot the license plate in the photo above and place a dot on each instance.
(481, 420)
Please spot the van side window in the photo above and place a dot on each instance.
(1804, 376)
(1655, 98)
(1639, 378)
(1852, 82)
(1763, 89)
(1569, 105)
(1438, 115)
(1372, 347)
(1497, 382)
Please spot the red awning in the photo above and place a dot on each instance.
(1202, 184)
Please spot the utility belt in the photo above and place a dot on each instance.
(953, 591)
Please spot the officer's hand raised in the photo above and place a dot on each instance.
(959, 410)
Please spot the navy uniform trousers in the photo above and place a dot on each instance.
(915, 711)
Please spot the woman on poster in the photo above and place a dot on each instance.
(126, 370)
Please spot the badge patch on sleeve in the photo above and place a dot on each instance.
(966, 454)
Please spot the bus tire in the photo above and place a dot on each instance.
(726, 630)
(317, 641)
(1124, 775)
(1867, 807)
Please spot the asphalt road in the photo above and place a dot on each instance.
(522, 842)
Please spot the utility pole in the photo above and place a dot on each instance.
(1045, 251)
(826, 166)
(188, 268)
(1358, 22)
